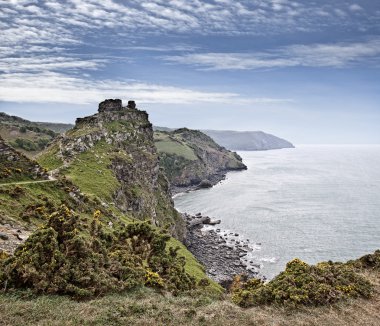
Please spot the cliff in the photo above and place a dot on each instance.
(192, 159)
(111, 155)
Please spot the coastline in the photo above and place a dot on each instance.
(223, 254)
(213, 180)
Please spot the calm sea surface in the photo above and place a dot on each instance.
(319, 202)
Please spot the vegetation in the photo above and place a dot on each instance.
(165, 143)
(50, 158)
(71, 256)
(26, 136)
(84, 245)
(303, 284)
(145, 306)
(91, 171)
(189, 156)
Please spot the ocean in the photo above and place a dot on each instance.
(313, 202)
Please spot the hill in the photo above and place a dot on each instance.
(91, 220)
(192, 159)
(27, 136)
(242, 140)
(247, 140)
(96, 218)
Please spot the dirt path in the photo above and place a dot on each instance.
(26, 182)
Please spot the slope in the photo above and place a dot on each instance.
(191, 159)
(36, 214)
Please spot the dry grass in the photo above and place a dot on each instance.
(146, 307)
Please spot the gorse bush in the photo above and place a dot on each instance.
(70, 255)
(371, 261)
(303, 284)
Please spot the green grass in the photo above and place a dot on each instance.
(170, 146)
(194, 268)
(121, 125)
(82, 131)
(11, 208)
(92, 174)
(49, 158)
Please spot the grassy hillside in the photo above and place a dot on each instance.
(190, 157)
(106, 180)
(29, 137)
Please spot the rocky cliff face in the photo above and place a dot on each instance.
(111, 155)
(192, 159)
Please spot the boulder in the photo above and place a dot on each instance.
(215, 222)
(205, 184)
(3, 236)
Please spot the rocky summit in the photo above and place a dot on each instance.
(111, 155)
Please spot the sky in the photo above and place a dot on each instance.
(307, 71)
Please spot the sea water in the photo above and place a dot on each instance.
(314, 202)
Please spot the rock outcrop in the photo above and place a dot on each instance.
(116, 147)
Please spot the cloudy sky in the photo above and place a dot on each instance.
(308, 71)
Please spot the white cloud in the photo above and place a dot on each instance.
(355, 7)
(314, 55)
(59, 88)
(47, 63)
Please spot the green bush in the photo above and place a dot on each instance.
(303, 284)
(70, 255)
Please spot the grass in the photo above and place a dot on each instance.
(12, 208)
(49, 158)
(147, 307)
(92, 174)
(194, 268)
(11, 133)
(167, 144)
(82, 131)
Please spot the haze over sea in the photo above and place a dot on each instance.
(314, 202)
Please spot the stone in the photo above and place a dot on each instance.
(215, 222)
(131, 105)
(205, 184)
(3, 236)
(110, 105)
(21, 237)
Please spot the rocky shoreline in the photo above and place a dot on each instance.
(224, 254)
(207, 183)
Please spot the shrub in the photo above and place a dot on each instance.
(70, 255)
(3, 255)
(303, 284)
(371, 261)
(154, 280)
